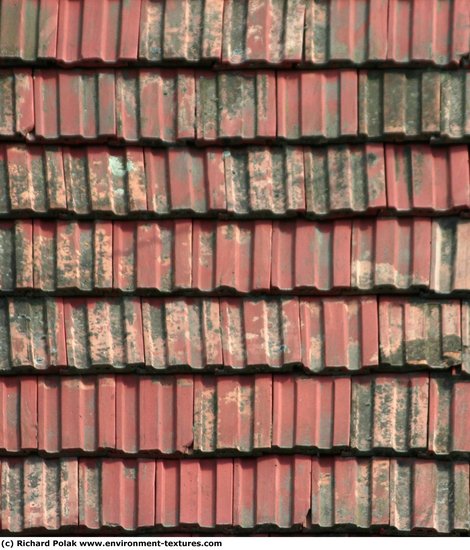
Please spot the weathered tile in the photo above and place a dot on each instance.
(420, 332)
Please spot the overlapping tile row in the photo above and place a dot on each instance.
(414, 103)
(311, 493)
(96, 413)
(235, 256)
(179, 105)
(131, 414)
(274, 181)
(245, 334)
(372, 104)
(235, 32)
(186, 414)
(410, 413)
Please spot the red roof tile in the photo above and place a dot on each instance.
(17, 116)
(94, 334)
(403, 494)
(421, 332)
(235, 256)
(236, 32)
(390, 411)
(179, 105)
(206, 414)
(253, 181)
(137, 163)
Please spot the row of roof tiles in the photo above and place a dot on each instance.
(178, 105)
(246, 182)
(245, 334)
(136, 414)
(404, 494)
(235, 256)
(235, 32)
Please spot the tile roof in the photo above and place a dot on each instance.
(255, 181)
(168, 106)
(237, 414)
(235, 32)
(227, 494)
(233, 264)
(241, 334)
(236, 256)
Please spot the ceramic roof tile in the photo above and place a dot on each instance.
(255, 181)
(103, 32)
(420, 31)
(243, 334)
(235, 106)
(263, 32)
(406, 413)
(361, 485)
(466, 335)
(254, 481)
(39, 494)
(236, 32)
(450, 265)
(154, 494)
(168, 105)
(420, 495)
(235, 256)
(317, 105)
(420, 177)
(448, 406)
(57, 333)
(390, 412)
(17, 117)
(391, 252)
(401, 104)
(151, 151)
(420, 332)
(455, 104)
(97, 414)
(28, 30)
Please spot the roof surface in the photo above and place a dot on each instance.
(234, 267)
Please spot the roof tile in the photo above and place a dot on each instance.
(420, 177)
(151, 151)
(253, 181)
(239, 256)
(350, 491)
(236, 32)
(390, 412)
(450, 262)
(234, 333)
(400, 104)
(420, 31)
(157, 104)
(373, 492)
(28, 30)
(317, 105)
(448, 406)
(391, 252)
(351, 32)
(71, 105)
(177, 105)
(17, 117)
(80, 36)
(255, 480)
(129, 414)
(235, 106)
(233, 413)
(455, 104)
(420, 332)
(38, 493)
(420, 495)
